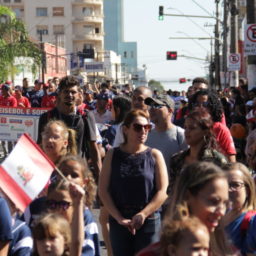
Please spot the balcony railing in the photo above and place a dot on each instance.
(97, 2)
(91, 37)
(95, 18)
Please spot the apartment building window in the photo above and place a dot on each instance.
(43, 29)
(132, 54)
(58, 11)
(125, 54)
(19, 12)
(97, 30)
(41, 12)
(17, 1)
(88, 46)
(58, 29)
(7, 1)
(87, 11)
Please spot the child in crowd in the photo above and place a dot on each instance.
(22, 242)
(67, 199)
(188, 237)
(52, 235)
(76, 171)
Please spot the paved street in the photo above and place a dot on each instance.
(103, 251)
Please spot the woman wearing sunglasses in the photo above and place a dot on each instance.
(240, 220)
(132, 186)
(208, 100)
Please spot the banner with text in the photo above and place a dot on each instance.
(16, 121)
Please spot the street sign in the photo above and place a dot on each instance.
(234, 61)
(250, 39)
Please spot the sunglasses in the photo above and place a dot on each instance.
(60, 205)
(203, 104)
(156, 106)
(139, 127)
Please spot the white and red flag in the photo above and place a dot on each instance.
(25, 172)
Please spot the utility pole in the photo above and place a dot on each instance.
(211, 68)
(225, 42)
(251, 60)
(217, 48)
(43, 54)
(234, 39)
(56, 54)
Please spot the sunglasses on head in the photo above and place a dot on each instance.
(60, 205)
(139, 127)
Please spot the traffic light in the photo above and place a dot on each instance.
(171, 55)
(182, 80)
(161, 13)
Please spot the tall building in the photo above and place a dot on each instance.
(76, 25)
(114, 35)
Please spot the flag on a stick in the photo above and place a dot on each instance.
(25, 172)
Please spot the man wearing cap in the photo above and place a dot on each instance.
(6, 99)
(89, 100)
(101, 113)
(22, 101)
(166, 136)
(36, 95)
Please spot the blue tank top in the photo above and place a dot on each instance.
(132, 181)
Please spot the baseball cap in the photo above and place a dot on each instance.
(88, 91)
(102, 96)
(18, 88)
(6, 86)
(160, 100)
(37, 81)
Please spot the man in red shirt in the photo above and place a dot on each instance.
(6, 99)
(22, 101)
(50, 97)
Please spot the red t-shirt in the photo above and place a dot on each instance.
(8, 102)
(224, 139)
(48, 101)
(23, 102)
(151, 250)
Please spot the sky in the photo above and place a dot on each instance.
(141, 24)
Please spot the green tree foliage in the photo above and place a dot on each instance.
(14, 42)
(155, 85)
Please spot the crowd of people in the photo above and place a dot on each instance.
(172, 173)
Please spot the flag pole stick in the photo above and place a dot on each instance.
(61, 174)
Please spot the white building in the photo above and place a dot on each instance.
(76, 25)
(112, 65)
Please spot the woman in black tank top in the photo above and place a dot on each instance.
(132, 186)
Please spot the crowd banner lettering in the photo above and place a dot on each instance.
(16, 121)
